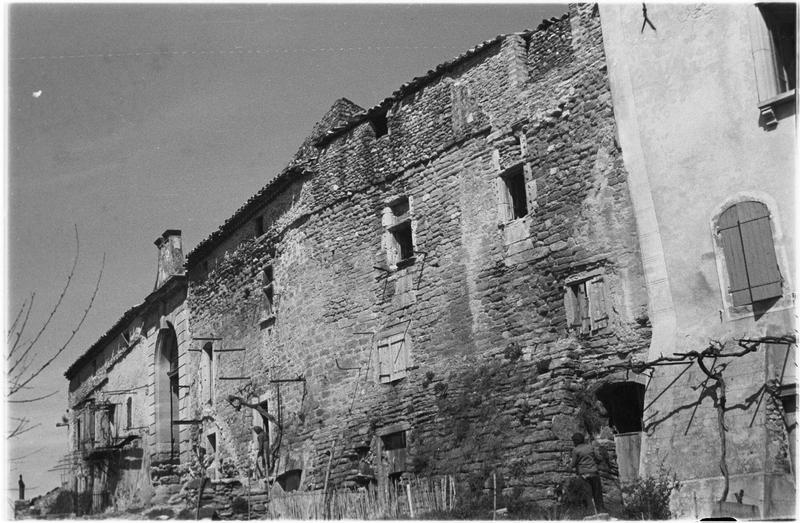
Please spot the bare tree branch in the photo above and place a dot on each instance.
(19, 458)
(31, 400)
(58, 302)
(13, 326)
(21, 329)
(71, 336)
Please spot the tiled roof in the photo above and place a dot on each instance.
(109, 335)
(337, 126)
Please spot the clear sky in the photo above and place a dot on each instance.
(127, 120)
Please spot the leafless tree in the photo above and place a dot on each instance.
(26, 358)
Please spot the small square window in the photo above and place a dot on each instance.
(516, 197)
(585, 305)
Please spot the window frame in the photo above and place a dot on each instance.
(395, 223)
(767, 62)
(594, 301)
(786, 301)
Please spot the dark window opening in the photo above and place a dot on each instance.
(780, 21)
(208, 351)
(259, 226)
(268, 289)
(518, 198)
(402, 237)
(290, 480)
(394, 441)
(746, 237)
(380, 124)
(129, 413)
(400, 209)
(624, 403)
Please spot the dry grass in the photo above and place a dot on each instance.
(415, 497)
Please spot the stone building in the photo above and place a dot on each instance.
(124, 393)
(705, 109)
(451, 282)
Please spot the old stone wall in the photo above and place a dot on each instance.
(492, 366)
(123, 368)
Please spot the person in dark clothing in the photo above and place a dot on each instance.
(21, 488)
(584, 461)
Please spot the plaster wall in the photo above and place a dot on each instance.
(686, 104)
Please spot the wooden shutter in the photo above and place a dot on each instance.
(583, 308)
(384, 361)
(571, 307)
(399, 354)
(598, 313)
(759, 251)
(749, 252)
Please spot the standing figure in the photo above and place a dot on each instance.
(21, 488)
(584, 461)
(266, 453)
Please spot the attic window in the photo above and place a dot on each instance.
(380, 124)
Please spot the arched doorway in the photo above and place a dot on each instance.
(166, 394)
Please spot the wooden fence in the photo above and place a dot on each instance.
(398, 501)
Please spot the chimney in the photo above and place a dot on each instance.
(170, 256)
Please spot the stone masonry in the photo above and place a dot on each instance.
(493, 369)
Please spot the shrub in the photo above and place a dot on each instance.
(648, 498)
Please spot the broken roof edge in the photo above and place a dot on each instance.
(421, 81)
(248, 209)
(120, 324)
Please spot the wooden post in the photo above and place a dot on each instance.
(494, 495)
(410, 505)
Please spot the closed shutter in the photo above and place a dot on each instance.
(597, 302)
(583, 308)
(399, 357)
(384, 361)
(759, 254)
(749, 252)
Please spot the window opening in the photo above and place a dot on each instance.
(268, 291)
(394, 450)
(208, 378)
(290, 480)
(380, 124)
(400, 236)
(516, 194)
(780, 21)
(746, 236)
(129, 413)
(585, 305)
